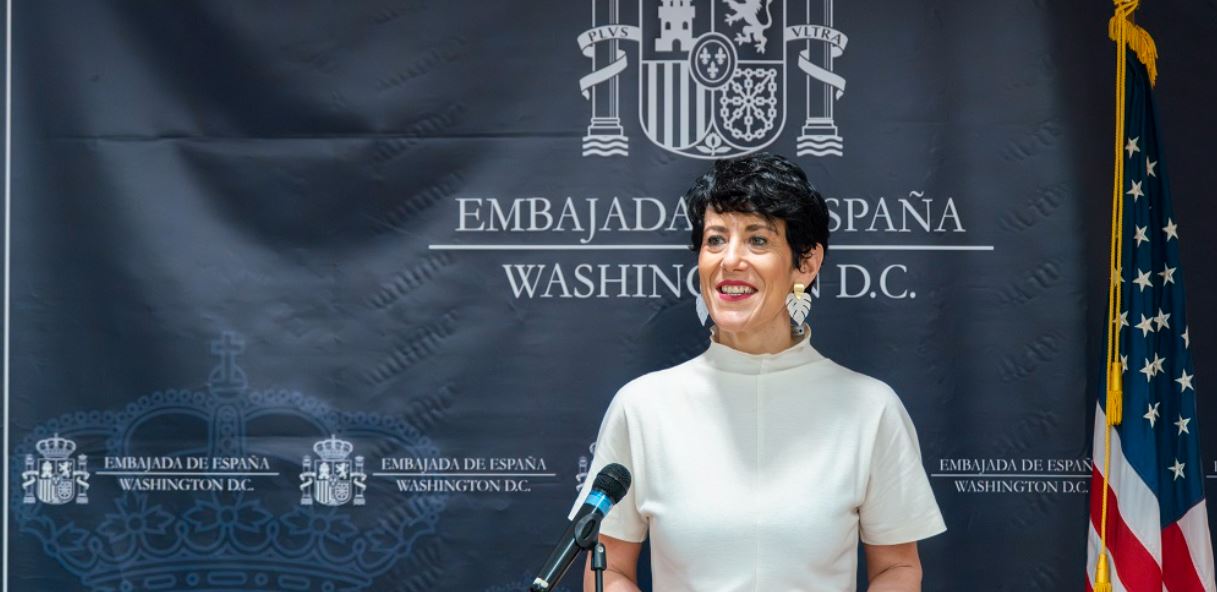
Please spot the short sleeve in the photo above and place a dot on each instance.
(613, 445)
(899, 505)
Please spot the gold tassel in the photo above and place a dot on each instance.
(1141, 43)
(1102, 580)
(1115, 394)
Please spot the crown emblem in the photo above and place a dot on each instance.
(56, 448)
(149, 533)
(333, 449)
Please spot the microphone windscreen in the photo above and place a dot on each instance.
(614, 481)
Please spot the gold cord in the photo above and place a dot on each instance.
(1126, 35)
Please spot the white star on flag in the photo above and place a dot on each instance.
(1182, 423)
(1161, 319)
(1135, 192)
(1171, 229)
(1146, 325)
(1152, 413)
(1143, 280)
(1131, 147)
(1149, 166)
(1140, 237)
(1185, 381)
(1168, 275)
(1124, 362)
(1187, 343)
(1177, 468)
(1158, 364)
(1122, 319)
(1147, 370)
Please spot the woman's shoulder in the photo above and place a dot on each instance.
(856, 384)
(645, 387)
(656, 387)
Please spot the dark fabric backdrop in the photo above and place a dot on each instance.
(233, 229)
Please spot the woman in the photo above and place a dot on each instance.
(760, 464)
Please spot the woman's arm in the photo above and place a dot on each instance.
(621, 575)
(892, 568)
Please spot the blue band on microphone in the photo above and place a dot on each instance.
(597, 499)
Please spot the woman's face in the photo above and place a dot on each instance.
(747, 270)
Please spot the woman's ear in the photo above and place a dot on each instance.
(809, 266)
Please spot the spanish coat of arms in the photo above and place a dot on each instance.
(56, 478)
(712, 81)
(333, 480)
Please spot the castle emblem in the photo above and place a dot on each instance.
(333, 480)
(56, 478)
(676, 30)
(712, 81)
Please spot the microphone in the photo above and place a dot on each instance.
(608, 488)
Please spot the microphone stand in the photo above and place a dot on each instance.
(599, 562)
(589, 540)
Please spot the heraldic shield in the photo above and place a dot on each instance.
(333, 485)
(713, 75)
(56, 483)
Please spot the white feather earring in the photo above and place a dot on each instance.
(702, 312)
(798, 304)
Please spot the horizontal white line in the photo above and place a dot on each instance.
(1009, 476)
(187, 474)
(464, 474)
(910, 247)
(557, 247)
(551, 247)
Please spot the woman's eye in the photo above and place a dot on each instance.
(760, 241)
(714, 241)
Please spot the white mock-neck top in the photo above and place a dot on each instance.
(763, 471)
(727, 359)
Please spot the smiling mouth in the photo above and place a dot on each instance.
(736, 290)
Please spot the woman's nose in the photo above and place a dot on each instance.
(735, 258)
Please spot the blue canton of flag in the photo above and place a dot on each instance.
(1158, 535)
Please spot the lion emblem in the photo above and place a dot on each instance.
(749, 11)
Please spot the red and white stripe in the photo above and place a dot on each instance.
(1143, 556)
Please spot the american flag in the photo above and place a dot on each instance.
(1157, 525)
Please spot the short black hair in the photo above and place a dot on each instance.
(767, 185)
